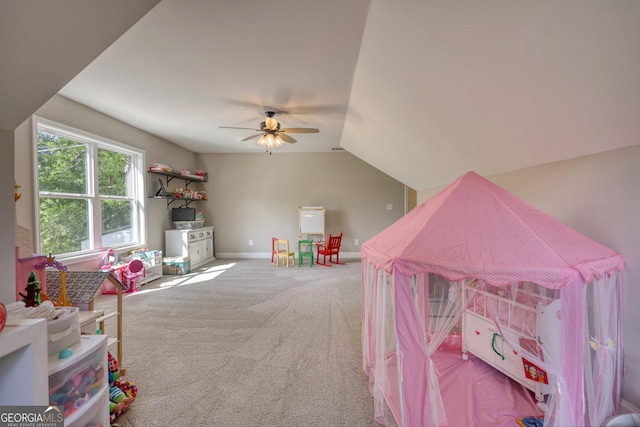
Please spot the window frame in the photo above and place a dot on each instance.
(94, 142)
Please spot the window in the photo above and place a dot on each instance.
(89, 192)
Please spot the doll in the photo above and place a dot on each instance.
(121, 392)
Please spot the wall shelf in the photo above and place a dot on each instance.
(164, 194)
(188, 178)
(185, 202)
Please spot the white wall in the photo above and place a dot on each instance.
(597, 195)
(257, 196)
(241, 187)
(70, 113)
(7, 228)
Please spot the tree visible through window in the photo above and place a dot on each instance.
(88, 193)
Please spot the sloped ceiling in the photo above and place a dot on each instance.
(442, 88)
(422, 90)
(189, 68)
(44, 44)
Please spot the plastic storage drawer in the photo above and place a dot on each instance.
(96, 414)
(77, 380)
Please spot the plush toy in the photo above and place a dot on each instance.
(121, 392)
(118, 401)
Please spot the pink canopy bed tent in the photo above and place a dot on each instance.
(534, 300)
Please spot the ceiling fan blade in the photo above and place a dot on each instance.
(233, 127)
(252, 136)
(286, 137)
(300, 130)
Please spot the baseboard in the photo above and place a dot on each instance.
(627, 408)
(243, 255)
(267, 255)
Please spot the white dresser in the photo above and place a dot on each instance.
(197, 244)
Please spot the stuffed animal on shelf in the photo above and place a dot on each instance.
(121, 392)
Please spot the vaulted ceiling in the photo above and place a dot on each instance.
(422, 90)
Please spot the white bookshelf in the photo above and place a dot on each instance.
(23, 363)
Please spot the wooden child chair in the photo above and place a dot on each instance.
(282, 248)
(305, 250)
(274, 247)
(329, 250)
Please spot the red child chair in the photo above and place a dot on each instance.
(274, 247)
(329, 250)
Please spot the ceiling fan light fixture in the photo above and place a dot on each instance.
(269, 141)
(271, 135)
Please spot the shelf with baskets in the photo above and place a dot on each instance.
(187, 195)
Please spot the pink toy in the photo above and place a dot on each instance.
(126, 273)
(131, 272)
(109, 259)
(76, 380)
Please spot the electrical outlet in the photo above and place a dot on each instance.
(389, 206)
(250, 242)
(357, 242)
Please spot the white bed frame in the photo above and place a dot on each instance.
(482, 337)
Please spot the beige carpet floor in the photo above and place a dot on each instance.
(245, 343)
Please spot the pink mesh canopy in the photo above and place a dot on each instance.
(476, 229)
(486, 244)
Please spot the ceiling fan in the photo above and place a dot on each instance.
(271, 134)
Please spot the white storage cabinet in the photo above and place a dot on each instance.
(197, 244)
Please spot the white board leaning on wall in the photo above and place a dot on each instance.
(311, 221)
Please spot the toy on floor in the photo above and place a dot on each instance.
(531, 421)
(121, 392)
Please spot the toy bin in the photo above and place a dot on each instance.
(77, 381)
(176, 265)
(188, 225)
(64, 331)
(96, 414)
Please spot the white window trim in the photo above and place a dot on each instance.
(92, 139)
